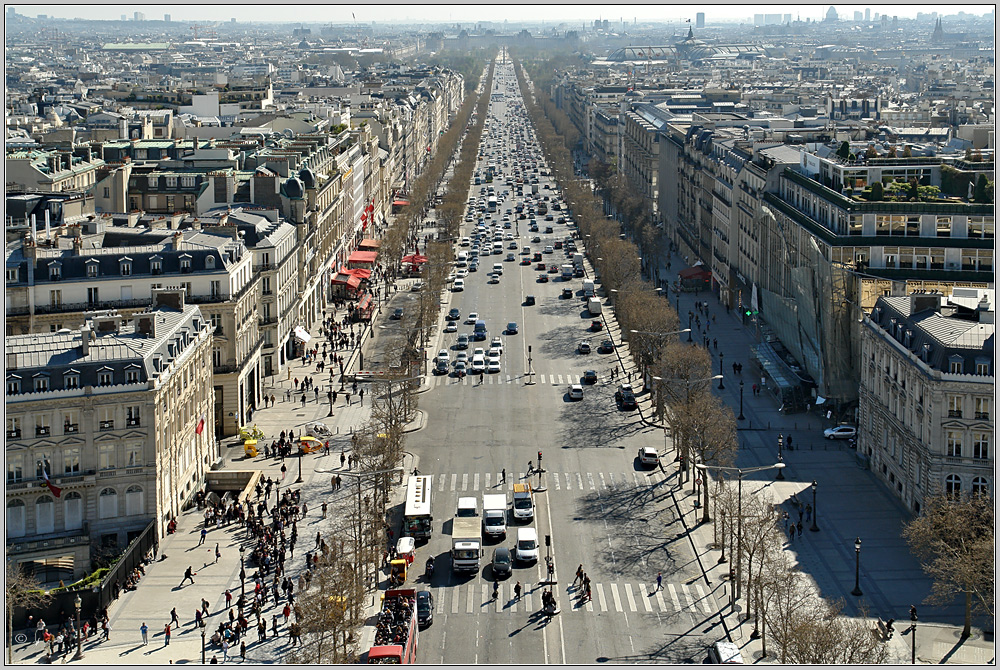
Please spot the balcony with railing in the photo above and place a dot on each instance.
(69, 428)
(106, 425)
(43, 431)
(13, 433)
(132, 421)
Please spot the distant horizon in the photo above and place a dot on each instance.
(471, 14)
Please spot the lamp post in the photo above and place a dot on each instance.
(243, 575)
(721, 385)
(722, 556)
(689, 327)
(857, 569)
(781, 443)
(741, 417)
(329, 395)
(79, 631)
(203, 644)
(739, 511)
(913, 635)
(299, 479)
(814, 527)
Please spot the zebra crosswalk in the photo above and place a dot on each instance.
(573, 377)
(556, 481)
(693, 602)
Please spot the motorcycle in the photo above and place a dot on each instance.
(429, 568)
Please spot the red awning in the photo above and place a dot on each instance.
(368, 244)
(362, 257)
(400, 203)
(344, 279)
(696, 272)
(361, 273)
(365, 302)
(414, 259)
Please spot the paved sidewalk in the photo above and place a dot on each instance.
(850, 502)
(159, 590)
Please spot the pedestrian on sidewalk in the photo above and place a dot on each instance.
(166, 635)
(659, 581)
(225, 650)
(323, 509)
(361, 397)
(188, 574)
(218, 554)
(173, 617)
(799, 526)
(284, 471)
(144, 630)
(243, 651)
(204, 534)
(342, 459)
(338, 480)
(204, 607)
(503, 476)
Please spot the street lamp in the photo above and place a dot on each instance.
(721, 385)
(814, 527)
(741, 417)
(79, 631)
(857, 568)
(243, 576)
(299, 479)
(781, 443)
(329, 395)
(739, 511)
(203, 628)
(690, 317)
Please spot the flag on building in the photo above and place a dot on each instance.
(200, 428)
(56, 491)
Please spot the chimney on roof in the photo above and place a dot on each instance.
(985, 310)
(145, 324)
(86, 334)
(54, 162)
(77, 244)
(922, 301)
(175, 241)
(169, 297)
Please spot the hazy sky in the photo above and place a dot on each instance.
(470, 12)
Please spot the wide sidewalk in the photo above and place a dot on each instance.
(159, 590)
(851, 504)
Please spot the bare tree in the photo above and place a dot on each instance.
(710, 431)
(954, 539)
(21, 590)
(329, 613)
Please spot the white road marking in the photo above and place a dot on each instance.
(465, 481)
(630, 597)
(454, 479)
(645, 599)
(579, 481)
(441, 484)
(600, 597)
(455, 597)
(604, 484)
(569, 483)
(703, 599)
(555, 480)
(616, 598)
(659, 601)
(674, 598)
(590, 480)
(475, 482)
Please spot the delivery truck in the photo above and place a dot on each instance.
(594, 305)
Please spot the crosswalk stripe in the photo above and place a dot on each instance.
(635, 478)
(527, 597)
(541, 379)
(611, 476)
(590, 605)
(614, 596)
(645, 598)
(630, 597)
(555, 480)
(508, 379)
(604, 484)
(486, 486)
(465, 481)
(465, 381)
(454, 479)
(706, 607)
(600, 597)
(441, 484)
(674, 598)
(501, 600)
(475, 482)
(579, 481)
(455, 598)
(484, 599)
(688, 598)
(590, 480)
(659, 601)
(440, 606)
(569, 484)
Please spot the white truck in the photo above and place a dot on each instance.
(578, 260)
(495, 514)
(524, 508)
(594, 305)
(466, 544)
(588, 288)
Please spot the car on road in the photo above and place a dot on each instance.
(583, 347)
(547, 250)
(510, 257)
(452, 327)
(397, 314)
(501, 564)
(590, 377)
(478, 363)
(461, 369)
(525, 261)
(543, 278)
(840, 433)
(493, 364)
(443, 354)
(529, 300)
(417, 285)
(454, 314)
(625, 396)
(425, 608)
(473, 267)
(473, 317)
(441, 367)
(553, 269)
(459, 285)
(512, 328)
(494, 278)
(648, 456)
(596, 325)
(607, 346)
(462, 342)
(576, 392)
(567, 293)
(541, 266)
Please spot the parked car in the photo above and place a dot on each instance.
(648, 456)
(626, 397)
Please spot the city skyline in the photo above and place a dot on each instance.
(551, 13)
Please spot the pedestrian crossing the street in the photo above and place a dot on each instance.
(575, 377)
(693, 602)
(556, 481)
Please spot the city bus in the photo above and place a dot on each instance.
(491, 203)
(417, 513)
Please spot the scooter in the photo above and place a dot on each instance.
(429, 568)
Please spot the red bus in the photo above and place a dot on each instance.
(396, 629)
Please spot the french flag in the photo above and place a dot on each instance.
(56, 491)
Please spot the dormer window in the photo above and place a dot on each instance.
(71, 379)
(105, 377)
(210, 262)
(13, 385)
(983, 367)
(956, 365)
(157, 363)
(156, 265)
(908, 338)
(41, 382)
(152, 180)
(92, 267)
(132, 374)
(171, 181)
(187, 181)
(55, 271)
(12, 275)
(185, 263)
(925, 352)
(125, 264)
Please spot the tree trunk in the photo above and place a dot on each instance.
(705, 518)
(967, 629)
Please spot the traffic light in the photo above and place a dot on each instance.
(539, 457)
(548, 540)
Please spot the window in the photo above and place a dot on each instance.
(105, 378)
(108, 507)
(210, 262)
(171, 181)
(71, 461)
(953, 485)
(13, 427)
(133, 455)
(156, 266)
(216, 320)
(216, 357)
(93, 296)
(55, 271)
(126, 267)
(132, 415)
(12, 274)
(13, 386)
(187, 181)
(134, 500)
(15, 468)
(71, 421)
(74, 511)
(131, 376)
(71, 380)
(106, 417)
(983, 370)
(43, 462)
(981, 445)
(955, 406)
(983, 407)
(107, 192)
(215, 287)
(953, 444)
(55, 298)
(41, 383)
(944, 226)
(265, 285)
(106, 457)
(185, 265)
(980, 486)
(45, 521)
(981, 227)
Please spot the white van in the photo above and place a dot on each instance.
(498, 245)
(498, 268)
(459, 285)
(725, 652)
(526, 549)
(467, 506)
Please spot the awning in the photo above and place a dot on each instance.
(414, 259)
(345, 279)
(360, 273)
(400, 203)
(365, 302)
(362, 257)
(368, 244)
(695, 272)
(301, 334)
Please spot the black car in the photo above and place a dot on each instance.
(397, 313)
(567, 293)
(425, 608)
(501, 563)
(454, 314)
(607, 346)
(590, 377)
(626, 397)
(529, 300)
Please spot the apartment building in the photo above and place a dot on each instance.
(52, 170)
(114, 413)
(927, 393)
